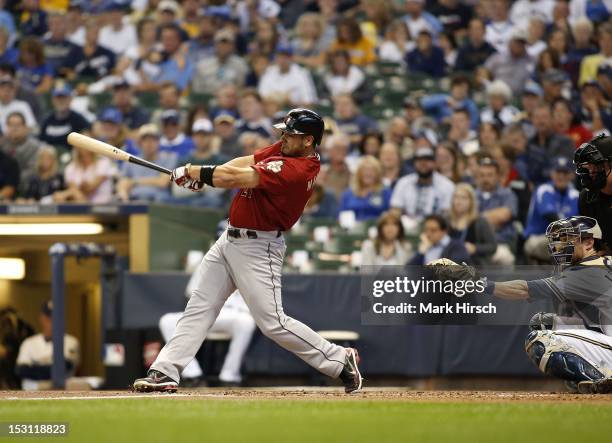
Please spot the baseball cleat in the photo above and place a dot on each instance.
(155, 381)
(603, 386)
(350, 375)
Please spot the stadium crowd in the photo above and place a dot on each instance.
(459, 117)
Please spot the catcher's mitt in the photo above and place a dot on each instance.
(445, 269)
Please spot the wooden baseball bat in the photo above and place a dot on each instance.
(98, 147)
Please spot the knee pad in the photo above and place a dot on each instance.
(558, 359)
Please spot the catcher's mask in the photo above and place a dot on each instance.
(563, 235)
(592, 165)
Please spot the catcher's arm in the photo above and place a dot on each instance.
(511, 290)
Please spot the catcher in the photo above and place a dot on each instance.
(575, 346)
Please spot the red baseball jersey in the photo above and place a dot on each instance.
(285, 185)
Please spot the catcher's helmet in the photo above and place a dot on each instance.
(596, 153)
(303, 121)
(563, 234)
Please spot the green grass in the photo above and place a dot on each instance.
(271, 421)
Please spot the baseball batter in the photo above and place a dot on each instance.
(275, 183)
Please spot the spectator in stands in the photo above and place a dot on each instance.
(476, 50)
(266, 38)
(123, 100)
(396, 43)
(371, 143)
(47, 180)
(112, 130)
(88, 178)
(36, 354)
(350, 120)
(252, 116)
(138, 183)
(335, 174)
(596, 11)
(582, 46)
(190, 21)
(390, 247)
(448, 44)
(514, 65)
(226, 100)
(59, 51)
(453, 15)
(7, 22)
(75, 29)
(417, 19)
(225, 129)
(169, 98)
(391, 162)
(258, 64)
(175, 66)
(168, 12)
(118, 35)
(554, 144)
(531, 161)
(448, 161)
(426, 58)
(565, 122)
(425, 191)
(499, 111)
(367, 197)
(342, 77)
(551, 201)
(203, 45)
(468, 226)
(173, 139)
(590, 63)
(62, 120)
(499, 206)
(536, 30)
(523, 10)
(499, 28)
(140, 64)
(8, 53)
(594, 110)
(308, 44)
(224, 67)
(20, 145)
(505, 157)
(350, 38)
(33, 20)
(92, 60)
(32, 70)
(287, 82)
(460, 132)
(9, 177)
(398, 132)
(436, 243)
(553, 81)
(321, 204)
(441, 106)
(489, 135)
(9, 104)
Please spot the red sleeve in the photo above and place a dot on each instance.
(268, 151)
(277, 174)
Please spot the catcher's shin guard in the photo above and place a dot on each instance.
(558, 359)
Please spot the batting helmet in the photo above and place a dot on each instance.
(563, 234)
(303, 121)
(596, 153)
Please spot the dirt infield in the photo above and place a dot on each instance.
(319, 394)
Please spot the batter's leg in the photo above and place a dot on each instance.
(167, 326)
(206, 301)
(256, 268)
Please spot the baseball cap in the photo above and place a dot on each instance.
(488, 161)
(170, 116)
(7, 79)
(148, 130)
(499, 88)
(284, 48)
(111, 115)
(410, 102)
(603, 145)
(117, 5)
(561, 164)
(591, 82)
(225, 117)
(168, 5)
(47, 308)
(61, 89)
(225, 35)
(424, 153)
(554, 76)
(222, 12)
(533, 88)
(202, 125)
(519, 34)
(121, 84)
(605, 70)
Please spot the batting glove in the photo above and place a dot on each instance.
(181, 177)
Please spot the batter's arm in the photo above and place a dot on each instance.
(230, 176)
(242, 162)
